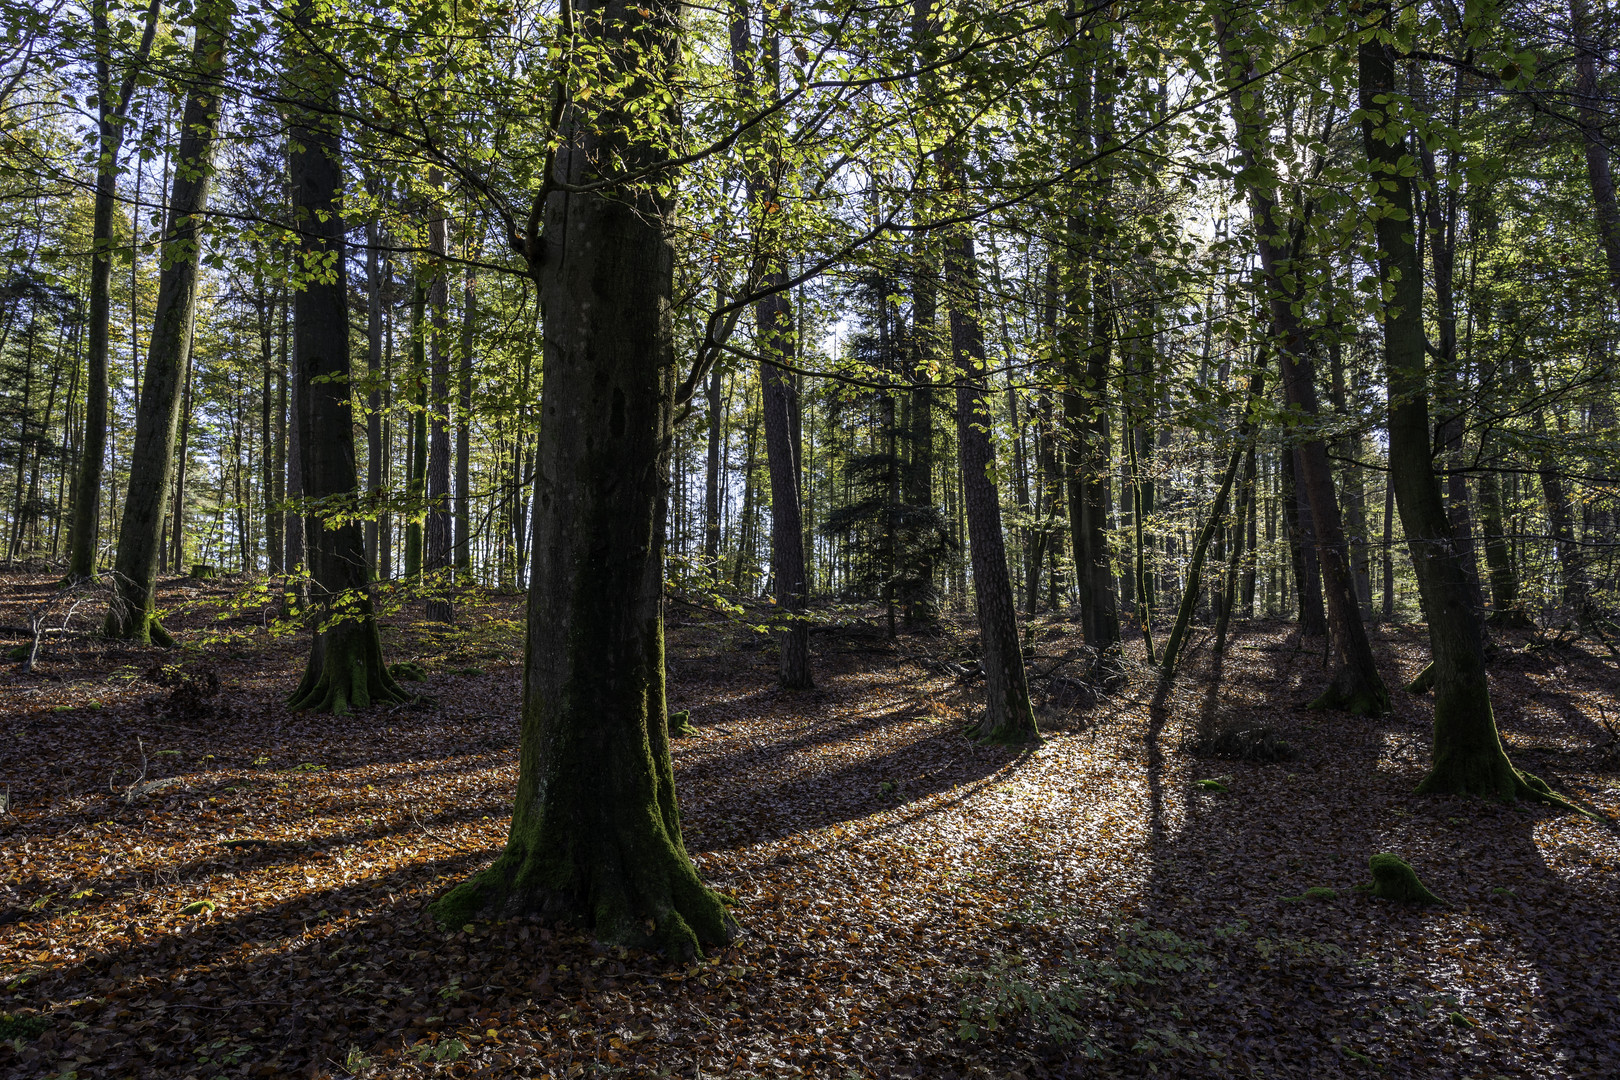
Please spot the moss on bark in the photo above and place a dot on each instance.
(346, 671)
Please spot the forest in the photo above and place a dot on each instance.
(953, 538)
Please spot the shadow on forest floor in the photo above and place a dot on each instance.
(913, 904)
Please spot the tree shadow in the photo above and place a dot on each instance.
(1294, 972)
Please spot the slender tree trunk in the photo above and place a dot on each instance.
(920, 604)
(375, 491)
(1356, 685)
(1008, 716)
(1195, 566)
(345, 668)
(464, 390)
(439, 538)
(595, 837)
(711, 476)
(114, 111)
(1592, 115)
(416, 450)
(1468, 753)
(131, 615)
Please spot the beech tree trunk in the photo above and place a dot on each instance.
(436, 556)
(596, 838)
(151, 473)
(1008, 716)
(1468, 754)
(1355, 685)
(345, 668)
(84, 536)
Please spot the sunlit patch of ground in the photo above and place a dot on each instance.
(233, 890)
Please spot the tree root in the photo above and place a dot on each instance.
(661, 907)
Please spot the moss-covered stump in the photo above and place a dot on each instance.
(681, 726)
(204, 571)
(1424, 681)
(1394, 879)
(408, 671)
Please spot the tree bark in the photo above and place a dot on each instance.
(114, 111)
(1008, 717)
(436, 557)
(1356, 685)
(595, 837)
(1468, 753)
(140, 535)
(345, 668)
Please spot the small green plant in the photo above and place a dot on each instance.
(452, 991)
(444, 1050)
(1460, 1020)
(222, 1054)
(1213, 785)
(356, 1061)
(21, 1027)
(199, 907)
(470, 671)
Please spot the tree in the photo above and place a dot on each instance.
(345, 668)
(1468, 753)
(596, 836)
(151, 476)
(113, 109)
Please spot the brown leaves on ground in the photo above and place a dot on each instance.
(215, 887)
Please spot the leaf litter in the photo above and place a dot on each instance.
(203, 884)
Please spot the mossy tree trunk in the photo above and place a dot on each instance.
(596, 838)
(1468, 754)
(151, 476)
(345, 668)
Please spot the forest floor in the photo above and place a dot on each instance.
(202, 884)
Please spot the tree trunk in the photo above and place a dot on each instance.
(374, 419)
(1356, 685)
(1195, 566)
(86, 530)
(595, 837)
(711, 477)
(1008, 716)
(416, 450)
(436, 557)
(345, 668)
(920, 604)
(1468, 753)
(1592, 114)
(130, 615)
(464, 389)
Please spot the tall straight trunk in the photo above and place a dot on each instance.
(267, 437)
(131, 614)
(464, 390)
(711, 475)
(595, 837)
(374, 376)
(1356, 685)
(111, 127)
(1312, 616)
(920, 603)
(779, 403)
(1085, 399)
(345, 668)
(1592, 114)
(385, 440)
(439, 538)
(416, 450)
(773, 320)
(1468, 753)
(745, 533)
(1388, 610)
(1008, 716)
(1504, 577)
